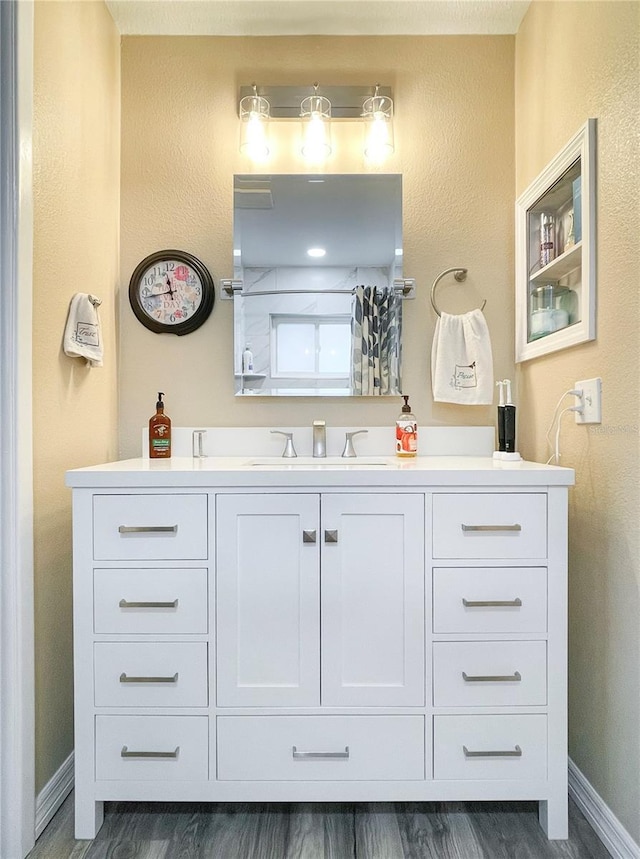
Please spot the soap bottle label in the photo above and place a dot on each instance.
(406, 437)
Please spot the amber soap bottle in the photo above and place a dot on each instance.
(159, 432)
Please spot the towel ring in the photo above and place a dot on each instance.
(460, 274)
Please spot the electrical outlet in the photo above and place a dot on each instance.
(591, 401)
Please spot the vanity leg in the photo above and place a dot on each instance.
(89, 816)
(553, 815)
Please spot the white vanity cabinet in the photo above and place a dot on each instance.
(320, 634)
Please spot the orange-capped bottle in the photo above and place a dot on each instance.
(159, 432)
(406, 431)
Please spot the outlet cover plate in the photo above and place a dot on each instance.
(591, 401)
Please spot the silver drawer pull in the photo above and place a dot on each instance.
(516, 753)
(516, 603)
(298, 756)
(125, 753)
(125, 679)
(127, 604)
(148, 529)
(516, 677)
(515, 527)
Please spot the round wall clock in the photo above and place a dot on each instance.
(171, 292)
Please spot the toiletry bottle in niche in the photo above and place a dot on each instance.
(159, 432)
(406, 431)
(247, 360)
(547, 238)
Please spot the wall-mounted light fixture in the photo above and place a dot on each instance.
(315, 112)
(317, 108)
(254, 114)
(377, 113)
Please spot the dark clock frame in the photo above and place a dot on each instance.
(201, 314)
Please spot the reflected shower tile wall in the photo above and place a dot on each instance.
(258, 279)
(373, 276)
(314, 278)
(256, 330)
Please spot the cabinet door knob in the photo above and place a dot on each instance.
(331, 536)
(308, 536)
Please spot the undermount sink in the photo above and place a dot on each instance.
(318, 462)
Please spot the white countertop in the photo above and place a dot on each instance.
(382, 471)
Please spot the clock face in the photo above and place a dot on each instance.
(171, 291)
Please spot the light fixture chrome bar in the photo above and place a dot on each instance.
(346, 101)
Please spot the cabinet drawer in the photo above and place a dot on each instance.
(159, 601)
(149, 527)
(152, 748)
(490, 599)
(129, 674)
(489, 673)
(490, 525)
(490, 747)
(320, 748)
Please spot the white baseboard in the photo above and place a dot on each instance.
(603, 821)
(53, 794)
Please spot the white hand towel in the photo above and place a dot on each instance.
(82, 335)
(461, 360)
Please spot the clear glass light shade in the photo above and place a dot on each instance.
(254, 115)
(377, 113)
(315, 112)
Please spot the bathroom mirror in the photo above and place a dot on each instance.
(302, 244)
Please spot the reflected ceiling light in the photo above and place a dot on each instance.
(315, 112)
(316, 252)
(377, 113)
(254, 115)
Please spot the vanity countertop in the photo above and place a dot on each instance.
(383, 471)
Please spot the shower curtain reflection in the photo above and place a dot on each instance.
(376, 330)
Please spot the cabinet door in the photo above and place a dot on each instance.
(268, 600)
(373, 600)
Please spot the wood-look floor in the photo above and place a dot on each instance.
(401, 830)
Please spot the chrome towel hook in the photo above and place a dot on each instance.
(460, 274)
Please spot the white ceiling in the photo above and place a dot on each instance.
(316, 17)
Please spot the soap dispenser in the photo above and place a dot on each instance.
(406, 431)
(159, 432)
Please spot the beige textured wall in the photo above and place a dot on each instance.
(76, 227)
(574, 61)
(454, 147)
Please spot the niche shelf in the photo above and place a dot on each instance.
(556, 302)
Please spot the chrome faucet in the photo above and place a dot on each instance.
(319, 438)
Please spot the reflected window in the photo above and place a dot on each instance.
(310, 347)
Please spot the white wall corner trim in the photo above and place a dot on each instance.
(17, 777)
(604, 822)
(53, 794)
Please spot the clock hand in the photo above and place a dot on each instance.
(158, 294)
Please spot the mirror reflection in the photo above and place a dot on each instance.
(317, 257)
